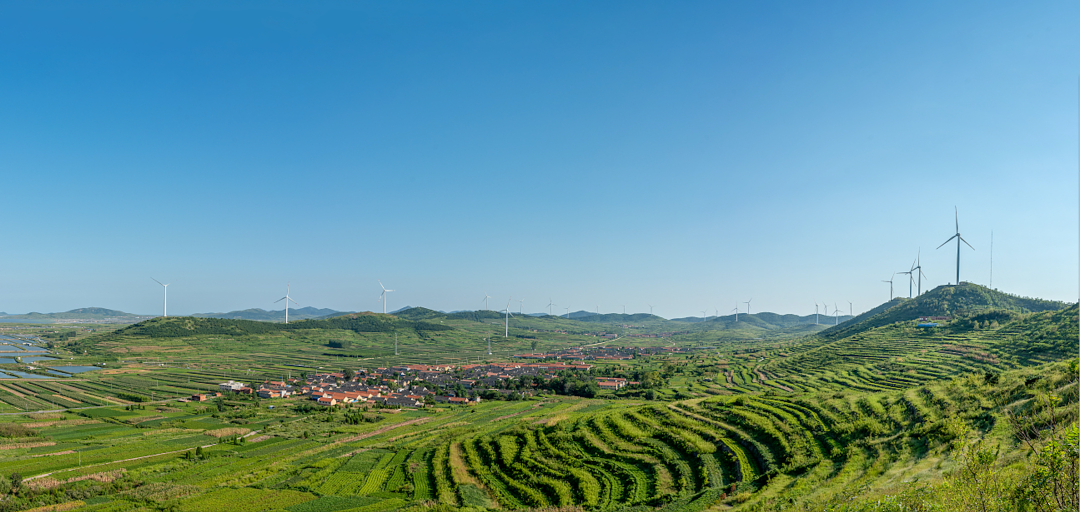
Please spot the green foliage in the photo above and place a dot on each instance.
(944, 301)
(16, 430)
(173, 327)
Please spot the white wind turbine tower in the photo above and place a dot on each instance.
(567, 312)
(506, 332)
(486, 297)
(650, 309)
(736, 310)
(287, 300)
(165, 307)
(521, 305)
(815, 312)
(382, 296)
(704, 317)
(748, 305)
(549, 306)
(884, 281)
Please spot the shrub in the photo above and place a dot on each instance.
(16, 430)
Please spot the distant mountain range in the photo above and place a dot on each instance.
(80, 315)
(263, 315)
(944, 300)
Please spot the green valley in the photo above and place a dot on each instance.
(963, 398)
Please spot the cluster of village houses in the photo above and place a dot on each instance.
(410, 385)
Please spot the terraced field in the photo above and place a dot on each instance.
(749, 449)
(826, 422)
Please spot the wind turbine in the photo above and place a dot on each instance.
(486, 297)
(748, 305)
(165, 306)
(736, 310)
(567, 312)
(704, 317)
(598, 310)
(836, 314)
(958, 240)
(287, 300)
(884, 281)
(650, 309)
(850, 309)
(918, 266)
(911, 279)
(506, 332)
(549, 306)
(382, 297)
(815, 312)
(521, 305)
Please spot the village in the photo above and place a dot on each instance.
(420, 385)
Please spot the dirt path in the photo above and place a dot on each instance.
(62, 397)
(12, 391)
(457, 466)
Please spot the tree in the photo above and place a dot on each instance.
(349, 374)
(199, 452)
(535, 343)
(652, 380)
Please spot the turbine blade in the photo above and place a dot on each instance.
(965, 242)
(279, 300)
(381, 286)
(947, 241)
(158, 282)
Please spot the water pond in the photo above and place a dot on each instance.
(24, 375)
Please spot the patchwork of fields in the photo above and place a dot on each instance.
(824, 422)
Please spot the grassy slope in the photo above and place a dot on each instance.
(851, 411)
(941, 301)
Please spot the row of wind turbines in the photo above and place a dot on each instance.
(915, 273)
(286, 298)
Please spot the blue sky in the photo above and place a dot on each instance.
(686, 155)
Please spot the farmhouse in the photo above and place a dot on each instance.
(231, 386)
(612, 383)
(326, 401)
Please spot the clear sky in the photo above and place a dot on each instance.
(686, 155)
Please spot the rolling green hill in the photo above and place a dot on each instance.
(274, 316)
(944, 300)
(182, 326)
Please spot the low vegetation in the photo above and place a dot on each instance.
(978, 413)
